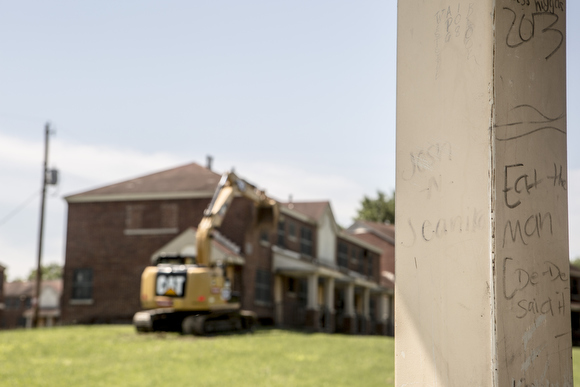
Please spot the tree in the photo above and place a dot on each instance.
(381, 209)
(576, 262)
(51, 271)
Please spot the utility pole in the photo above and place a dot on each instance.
(49, 177)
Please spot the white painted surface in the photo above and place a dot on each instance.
(49, 297)
(326, 244)
(460, 285)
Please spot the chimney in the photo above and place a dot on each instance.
(208, 162)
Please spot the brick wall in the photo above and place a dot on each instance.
(96, 240)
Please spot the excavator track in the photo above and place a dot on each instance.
(199, 324)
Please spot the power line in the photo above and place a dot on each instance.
(19, 208)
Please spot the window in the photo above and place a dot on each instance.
(291, 285)
(134, 216)
(353, 260)
(306, 241)
(82, 284)
(369, 264)
(151, 219)
(263, 286)
(12, 303)
(291, 230)
(169, 218)
(361, 261)
(264, 237)
(281, 234)
(342, 257)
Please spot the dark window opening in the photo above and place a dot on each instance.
(292, 229)
(281, 234)
(342, 257)
(263, 292)
(82, 284)
(306, 241)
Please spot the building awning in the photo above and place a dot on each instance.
(290, 263)
(223, 250)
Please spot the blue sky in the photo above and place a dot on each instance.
(298, 96)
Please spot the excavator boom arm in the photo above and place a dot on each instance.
(228, 187)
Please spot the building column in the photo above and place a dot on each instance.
(349, 310)
(329, 305)
(312, 307)
(278, 300)
(482, 295)
(383, 312)
(366, 299)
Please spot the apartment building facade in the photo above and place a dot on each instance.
(305, 273)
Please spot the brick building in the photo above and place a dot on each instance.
(18, 300)
(306, 273)
(383, 236)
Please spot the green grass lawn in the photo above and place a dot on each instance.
(117, 356)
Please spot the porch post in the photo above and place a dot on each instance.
(329, 304)
(278, 300)
(312, 307)
(349, 311)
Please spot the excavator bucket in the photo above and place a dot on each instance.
(266, 216)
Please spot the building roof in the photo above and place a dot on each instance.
(185, 244)
(190, 180)
(26, 288)
(382, 230)
(312, 210)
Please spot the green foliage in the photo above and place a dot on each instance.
(51, 271)
(381, 209)
(576, 262)
(117, 356)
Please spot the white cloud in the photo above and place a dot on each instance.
(103, 165)
(81, 167)
(281, 181)
(84, 167)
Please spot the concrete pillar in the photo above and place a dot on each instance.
(350, 322)
(383, 312)
(329, 294)
(482, 294)
(312, 292)
(382, 308)
(329, 324)
(366, 299)
(278, 300)
(349, 300)
(312, 307)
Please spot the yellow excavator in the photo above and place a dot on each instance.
(192, 295)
